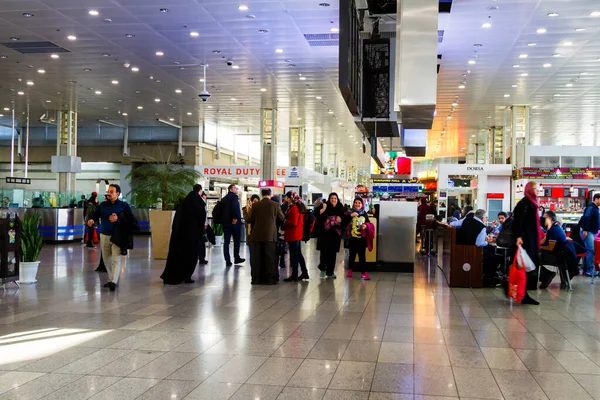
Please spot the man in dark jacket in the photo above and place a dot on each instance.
(108, 214)
(590, 225)
(232, 222)
(264, 217)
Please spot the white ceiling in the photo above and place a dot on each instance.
(103, 47)
(571, 118)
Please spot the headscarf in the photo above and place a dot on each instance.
(531, 194)
(360, 211)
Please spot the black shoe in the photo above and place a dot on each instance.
(203, 262)
(303, 276)
(112, 286)
(101, 269)
(228, 264)
(291, 279)
(529, 300)
(240, 261)
(107, 284)
(189, 281)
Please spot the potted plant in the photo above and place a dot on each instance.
(218, 229)
(31, 245)
(166, 183)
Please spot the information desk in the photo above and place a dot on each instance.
(57, 224)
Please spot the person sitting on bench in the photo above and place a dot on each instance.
(473, 232)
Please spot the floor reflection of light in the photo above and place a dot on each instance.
(36, 344)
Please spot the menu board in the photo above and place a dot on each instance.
(561, 173)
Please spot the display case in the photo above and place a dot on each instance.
(10, 247)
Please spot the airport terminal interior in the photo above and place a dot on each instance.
(452, 144)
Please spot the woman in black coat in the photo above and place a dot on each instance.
(526, 231)
(329, 240)
(186, 236)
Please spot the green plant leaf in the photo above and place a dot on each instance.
(31, 238)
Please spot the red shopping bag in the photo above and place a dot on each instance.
(517, 281)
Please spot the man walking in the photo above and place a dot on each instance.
(109, 214)
(232, 220)
(264, 217)
(590, 225)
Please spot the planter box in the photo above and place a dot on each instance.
(160, 223)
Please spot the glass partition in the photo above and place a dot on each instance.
(34, 198)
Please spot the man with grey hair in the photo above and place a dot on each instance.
(473, 230)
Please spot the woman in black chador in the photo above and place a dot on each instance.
(186, 239)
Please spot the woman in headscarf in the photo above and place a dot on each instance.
(527, 232)
(186, 236)
(357, 244)
(90, 208)
(329, 233)
(294, 230)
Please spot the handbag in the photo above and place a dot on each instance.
(280, 247)
(524, 261)
(505, 237)
(209, 233)
(517, 281)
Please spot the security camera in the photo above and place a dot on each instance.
(204, 95)
(229, 63)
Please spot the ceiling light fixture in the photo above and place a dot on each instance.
(318, 97)
(164, 10)
(115, 82)
(553, 14)
(569, 85)
(472, 62)
(235, 67)
(507, 95)
(140, 107)
(524, 74)
(157, 100)
(579, 29)
(194, 34)
(461, 86)
(514, 86)
(87, 69)
(557, 95)
(531, 44)
(14, 38)
(189, 113)
(135, 69)
(94, 13)
(516, 66)
(98, 92)
(129, 35)
(523, 55)
(595, 14)
(160, 53)
(302, 78)
(263, 31)
(547, 65)
(30, 83)
(334, 30)
(124, 114)
(178, 91)
(556, 55)
(233, 99)
(568, 43)
(20, 93)
(454, 104)
(329, 112)
(41, 71)
(27, 15)
(486, 25)
(541, 31)
(243, 7)
(263, 89)
(279, 51)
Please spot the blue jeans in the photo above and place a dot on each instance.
(229, 231)
(250, 253)
(296, 259)
(589, 252)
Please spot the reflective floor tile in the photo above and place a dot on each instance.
(58, 360)
(238, 369)
(518, 385)
(126, 389)
(295, 347)
(353, 375)
(339, 331)
(292, 393)
(164, 365)
(261, 392)
(362, 351)
(476, 383)
(38, 387)
(128, 363)
(393, 378)
(575, 362)
(201, 367)
(459, 337)
(591, 383)
(83, 388)
(502, 358)
(398, 334)
(434, 380)
(466, 356)
(92, 362)
(431, 354)
(213, 391)
(314, 374)
(400, 353)
(559, 386)
(345, 395)
(276, 371)
(169, 389)
(328, 349)
(539, 360)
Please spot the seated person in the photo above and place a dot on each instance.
(497, 226)
(554, 230)
(563, 249)
(458, 223)
(472, 230)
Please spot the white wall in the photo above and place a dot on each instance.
(500, 184)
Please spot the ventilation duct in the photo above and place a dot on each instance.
(416, 62)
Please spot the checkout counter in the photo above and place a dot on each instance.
(57, 224)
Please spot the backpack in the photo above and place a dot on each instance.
(309, 226)
(505, 237)
(217, 213)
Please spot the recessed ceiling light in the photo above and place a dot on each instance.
(449, 116)
(107, 20)
(334, 30)
(454, 104)
(14, 38)
(210, 106)
(263, 31)
(115, 82)
(105, 54)
(178, 91)
(41, 71)
(6, 109)
(171, 119)
(30, 83)
(329, 112)
(129, 35)
(243, 7)
(189, 113)
(516, 66)
(541, 31)
(263, 89)
(233, 99)
(94, 13)
(318, 97)
(3, 57)
(140, 107)
(20, 93)
(27, 15)
(164, 10)
(547, 65)
(160, 53)
(194, 34)
(124, 114)
(157, 100)
(569, 85)
(87, 69)
(595, 14)
(579, 29)
(98, 92)
(279, 51)
(48, 101)
(235, 66)
(531, 44)
(553, 14)
(461, 86)
(556, 55)
(135, 69)
(568, 43)
(486, 25)
(302, 78)
(324, 4)
(557, 95)
(514, 86)
(507, 95)
(584, 73)
(472, 62)
(523, 55)
(524, 74)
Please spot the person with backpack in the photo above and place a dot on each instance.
(228, 213)
(590, 225)
(294, 230)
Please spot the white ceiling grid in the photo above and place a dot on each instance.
(132, 31)
(555, 72)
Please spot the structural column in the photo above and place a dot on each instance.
(519, 135)
(268, 140)
(66, 163)
(297, 147)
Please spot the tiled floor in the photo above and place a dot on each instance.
(398, 336)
